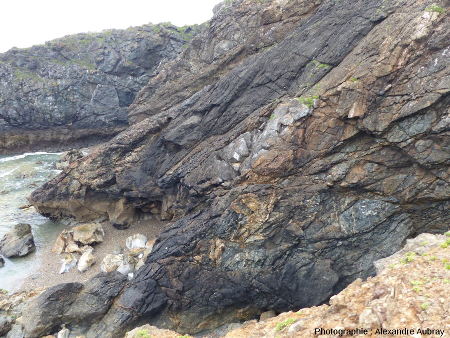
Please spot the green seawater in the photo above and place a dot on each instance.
(19, 176)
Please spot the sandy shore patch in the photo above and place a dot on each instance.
(50, 263)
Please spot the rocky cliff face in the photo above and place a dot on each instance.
(409, 291)
(287, 173)
(78, 88)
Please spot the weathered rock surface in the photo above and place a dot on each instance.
(43, 315)
(18, 242)
(90, 233)
(64, 333)
(111, 262)
(418, 246)
(71, 302)
(238, 30)
(76, 90)
(5, 325)
(79, 238)
(136, 241)
(68, 261)
(11, 307)
(86, 260)
(69, 157)
(287, 170)
(410, 293)
(152, 331)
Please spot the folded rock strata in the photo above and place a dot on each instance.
(287, 173)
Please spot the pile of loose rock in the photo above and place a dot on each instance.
(127, 262)
(76, 246)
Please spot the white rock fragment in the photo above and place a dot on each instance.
(68, 262)
(64, 333)
(125, 267)
(111, 262)
(136, 241)
(87, 259)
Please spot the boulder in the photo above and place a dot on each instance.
(111, 262)
(60, 244)
(44, 314)
(68, 262)
(136, 241)
(142, 256)
(125, 267)
(16, 331)
(65, 243)
(86, 260)
(98, 293)
(2, 262)
(89, 233)
(18, 242)
(123, 263)
(137, 252)
(64, 333)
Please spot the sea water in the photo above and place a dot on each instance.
(19, 176)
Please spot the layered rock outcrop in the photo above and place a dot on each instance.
(286, 174)
(407, 297)
(76, 90)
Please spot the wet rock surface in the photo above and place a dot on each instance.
(76, 90)
(286, 172)
(18, 242)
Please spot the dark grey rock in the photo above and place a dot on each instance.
(279, 164)
(96, 298)
(17, 242)
(75, 303)
(45, 314)
(5, 325)
(76, 89)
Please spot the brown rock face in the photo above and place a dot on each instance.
(287, 170)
